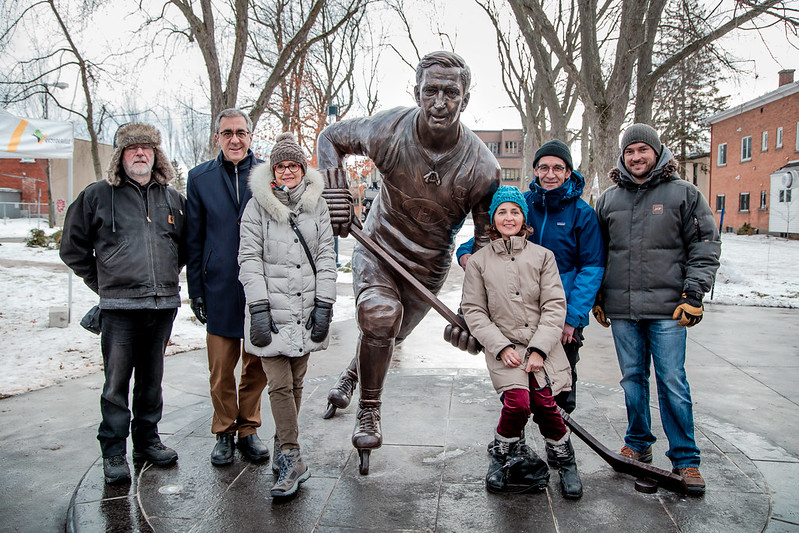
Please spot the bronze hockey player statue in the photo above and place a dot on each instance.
(435, 171)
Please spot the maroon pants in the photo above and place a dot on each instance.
(517, 404)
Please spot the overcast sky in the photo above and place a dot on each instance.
(473, 38)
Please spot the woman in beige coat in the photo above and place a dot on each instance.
(514, 304)
(288, 270)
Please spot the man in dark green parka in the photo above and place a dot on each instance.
(663, 251)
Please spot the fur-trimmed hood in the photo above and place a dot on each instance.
(665, 170)
(260, 181)
(138, 133)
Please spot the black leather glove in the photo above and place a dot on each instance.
(339, 201)
(689, 309)
(319, 321)
(198, 308)
(261, 324)
(461, 338)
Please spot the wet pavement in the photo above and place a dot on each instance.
(439, 413)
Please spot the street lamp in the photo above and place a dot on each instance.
(55, 85)
(332, 114)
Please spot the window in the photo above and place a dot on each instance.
(719, 203)
(746, 148)
(785, 195)
(511, 174)
(511, 147)
(696, 173)
(763, 199)
(779, 137)
(764, 142)
(722, 157)
(494, 147)
(743, 202)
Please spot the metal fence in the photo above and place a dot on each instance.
(29, 210)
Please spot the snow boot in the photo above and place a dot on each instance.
(563, 453)
(292, 471)
(514, 468)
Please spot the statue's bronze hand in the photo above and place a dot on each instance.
(339, 201)
(461, 339)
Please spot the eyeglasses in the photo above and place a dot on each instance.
(136, 147)
(557, 169)
(227, 134)
(281, 168)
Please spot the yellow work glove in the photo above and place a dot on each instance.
(689, 310)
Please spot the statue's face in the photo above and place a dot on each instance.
(441, 97)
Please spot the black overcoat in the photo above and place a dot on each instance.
(213, 218)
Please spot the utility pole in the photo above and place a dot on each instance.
(50, 207)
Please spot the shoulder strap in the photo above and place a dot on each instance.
(304, 244)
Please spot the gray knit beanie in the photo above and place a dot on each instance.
(555, 148)
(287, 149)
(641, 133)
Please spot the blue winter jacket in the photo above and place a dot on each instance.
(564, 223)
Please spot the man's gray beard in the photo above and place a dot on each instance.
(139, 176)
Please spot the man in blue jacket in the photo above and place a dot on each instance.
(567, 225)
(217, 193)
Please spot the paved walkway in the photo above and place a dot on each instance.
(439, 413)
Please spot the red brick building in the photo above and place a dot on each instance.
(750, 142)
(29, 178)
(507, 147)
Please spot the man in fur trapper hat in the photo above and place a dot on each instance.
(663, 251)
(124, 238)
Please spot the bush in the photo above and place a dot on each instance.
(38, 239)
(746, 229)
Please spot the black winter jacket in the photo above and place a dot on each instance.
(661, 240)
(124, 245)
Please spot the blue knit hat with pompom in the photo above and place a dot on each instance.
(507, 193)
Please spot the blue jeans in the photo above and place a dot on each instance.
(133, 344)
(662, 342)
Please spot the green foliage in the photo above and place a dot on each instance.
(746, 229)
(180, 180)
(39, 239)
(688, 93)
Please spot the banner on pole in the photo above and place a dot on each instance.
(35, 137)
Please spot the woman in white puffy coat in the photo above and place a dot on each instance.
(289, 294)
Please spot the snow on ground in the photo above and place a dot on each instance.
(755, 270)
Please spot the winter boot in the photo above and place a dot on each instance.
(341, 393)
(514, 468)
(521, 448)
(116, 469)
(563, 453)
(292, 471)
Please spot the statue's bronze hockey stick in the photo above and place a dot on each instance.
(621, 464)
